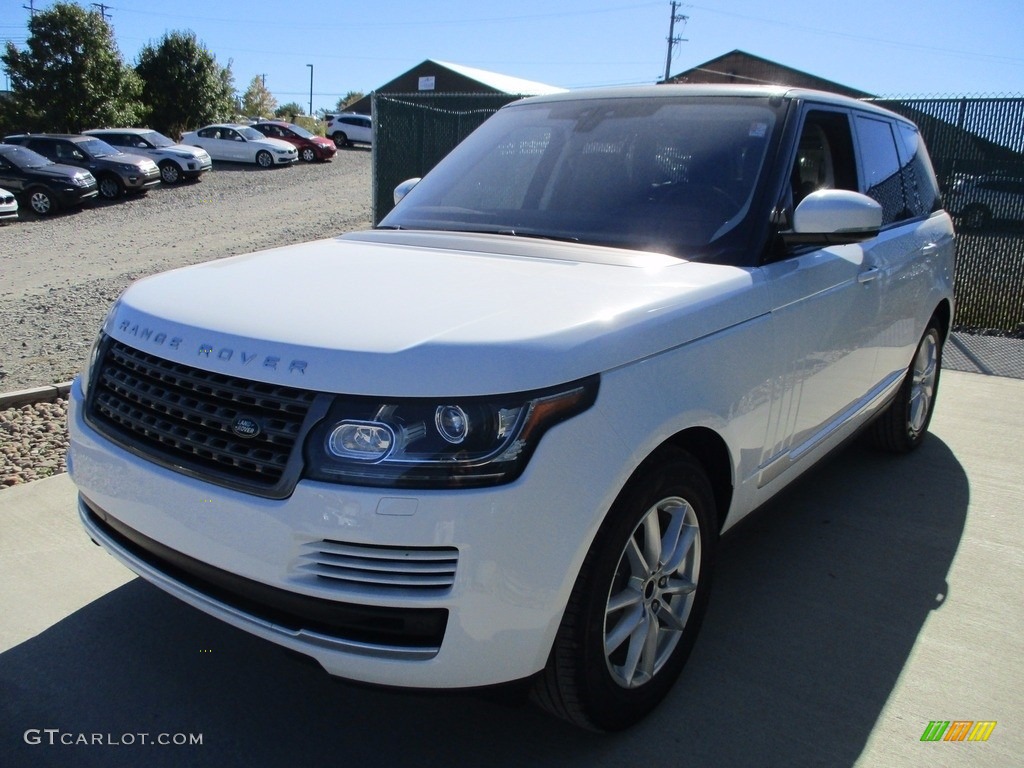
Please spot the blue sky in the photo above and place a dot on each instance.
(887, 48)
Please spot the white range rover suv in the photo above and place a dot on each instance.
(497, 438)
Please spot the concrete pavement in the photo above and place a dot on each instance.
(877, 595)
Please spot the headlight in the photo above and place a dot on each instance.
(85, 377)
(442, 443)
(81, 181)
(283, 151)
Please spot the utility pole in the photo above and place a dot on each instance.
(673, 39)
(310, 89)
(103, 10)
(31, 8)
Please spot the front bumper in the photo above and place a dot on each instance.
(265, 565)
(141, 181)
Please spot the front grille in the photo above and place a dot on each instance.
(377, 567)
(185, 419)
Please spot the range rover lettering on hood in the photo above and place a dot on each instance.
(209, 351)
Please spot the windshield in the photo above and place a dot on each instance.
(97, 148)
(675, 175)
(251, 134)
(25, 158)
(301, 132)
(158, 140)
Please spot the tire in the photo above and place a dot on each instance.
(904, 423)
(170, 173)
(649, 569)
(264, 159)
(975, 217)
(110, 187)
(340, 139)
(308, 154)
(42, 202)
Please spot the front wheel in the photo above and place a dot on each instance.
(638, 602)
(264, 159)
(170, 173)
(308, 154)
(111, 187)
(904, 423)
(42, 202)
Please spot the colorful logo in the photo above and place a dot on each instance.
(958, 730)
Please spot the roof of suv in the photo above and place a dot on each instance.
(783, 92)
(136, 131)
(68, 136)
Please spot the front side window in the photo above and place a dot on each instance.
(881, 164)
(674, 175)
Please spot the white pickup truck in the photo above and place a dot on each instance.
(497, 438)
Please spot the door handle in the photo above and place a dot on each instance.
(868, 275)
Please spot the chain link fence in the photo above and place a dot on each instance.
(977, 147)
(976, 144)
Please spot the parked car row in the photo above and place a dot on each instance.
(48, 172)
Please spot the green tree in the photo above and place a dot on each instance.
(183, 85)
(349, 98)
(71, 75)
(257, 100)
(287, 110)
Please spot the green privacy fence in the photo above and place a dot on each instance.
(413, 131)
(976, 144)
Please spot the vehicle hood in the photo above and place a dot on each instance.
(127, 158)
(184, 149)
(60, 172)
(270, 143)
(430, 314)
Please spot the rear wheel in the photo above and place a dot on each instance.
(340, 139)
(638, 602)
(264, 159)
(975, 217)
(904, 423)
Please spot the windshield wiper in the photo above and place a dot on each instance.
(538, 236)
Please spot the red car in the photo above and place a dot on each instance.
(310, 147)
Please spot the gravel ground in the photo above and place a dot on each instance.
(58, 276)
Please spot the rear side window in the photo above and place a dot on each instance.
(881, 163)
(919, 184)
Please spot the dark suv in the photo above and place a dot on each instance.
(41, 184)
(116, 172)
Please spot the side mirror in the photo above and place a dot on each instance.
(834, 217)
(405, 188)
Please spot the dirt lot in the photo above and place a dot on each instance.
(59, 275)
